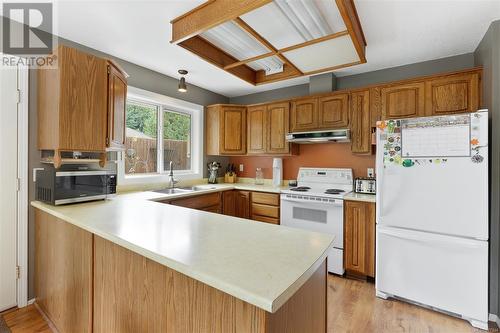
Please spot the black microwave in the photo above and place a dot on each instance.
(64, 187)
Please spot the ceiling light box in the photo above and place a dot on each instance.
(263, 41)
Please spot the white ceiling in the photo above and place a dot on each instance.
(398, 32)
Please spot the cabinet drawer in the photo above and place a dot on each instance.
(266, 198)
(266, 219)
(213, 209)
(265, 210)
(199, 201)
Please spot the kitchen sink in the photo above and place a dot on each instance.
(173, 190)
(198, 188)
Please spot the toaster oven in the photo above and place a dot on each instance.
(365, 185)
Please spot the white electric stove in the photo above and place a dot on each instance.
(317, 204)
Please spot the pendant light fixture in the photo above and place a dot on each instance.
(182, 82)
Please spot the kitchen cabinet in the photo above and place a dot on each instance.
(360, 122)
(265, 207)
(359, 237)
(304, 114)
(208, 202)
(278, 121)
(117, 97)
(403, 101)
(257, 129)
(334, 111)
(456, 93)
(81, 104)
(236, 203)
(225, 129)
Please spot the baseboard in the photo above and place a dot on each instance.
(31, 301)
(494, 318)
(47, 319)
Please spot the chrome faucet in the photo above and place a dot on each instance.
(171, 178)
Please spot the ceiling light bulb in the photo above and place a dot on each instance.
(182, 82)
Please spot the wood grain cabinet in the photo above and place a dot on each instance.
(265, 207)
(257, 129)
(360, 122)
(334, 111)
(81, 103)
(208, 202)
(453, 94)
(304, 115)
(225, 129)
(359, 237)
(236, 203)
(403, 101)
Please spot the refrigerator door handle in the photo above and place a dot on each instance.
(439, 240)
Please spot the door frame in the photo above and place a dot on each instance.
(22, 175)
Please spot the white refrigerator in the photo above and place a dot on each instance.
(432, 213)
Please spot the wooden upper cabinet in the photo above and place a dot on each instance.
(304, 114)
(359, 237)
(456, 93)
(117, 97)
(225, 129)
(334, 111)
(278, 120)
(360, 122)
(403, 101)
(256, 129)
(72, 103)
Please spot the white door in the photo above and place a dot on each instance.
(8, 188)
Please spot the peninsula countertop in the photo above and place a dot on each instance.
(259, 263)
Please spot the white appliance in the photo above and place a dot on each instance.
(317, 204)
(432, 213)
(277, 171)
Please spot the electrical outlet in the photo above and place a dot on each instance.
(241, 167)
(370, 172)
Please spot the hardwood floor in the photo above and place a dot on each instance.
(352, 307)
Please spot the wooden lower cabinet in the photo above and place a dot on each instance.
(265, 207)
(207, 202)
(63, 273)
(359, 238)
(85, 283)
(236, 203)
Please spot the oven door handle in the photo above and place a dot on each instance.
(337, 202)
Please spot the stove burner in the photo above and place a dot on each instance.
(334, 191)
(300, 189)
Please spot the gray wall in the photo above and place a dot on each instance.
(140, 77)
(359, 80)
(487, 55)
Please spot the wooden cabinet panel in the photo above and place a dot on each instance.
(359, 237)
(266, 219)
(228, 203)
(272, 199)
(225, 129)
(375, 106)
(360, 122)
(403, 100)
(304, 114)
(257, 129)
(63, 273)
(117, 96)
(199, 201)
(265, 210)
(334, 111)
(236, 203)
(265, 207)
(277, 128)
(452, 94)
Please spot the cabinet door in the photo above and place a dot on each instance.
(277, 128)
(452, 94)
(117, 96)
(403, 101)
(233, 130)
(242, 204)
(304, 115)
(228, 203)
(256, 129)
(360, 122)
(375, 106)
(355, 236)
(83, 101)
(334, 111)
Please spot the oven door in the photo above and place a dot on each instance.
(77, 186)
(315, 215)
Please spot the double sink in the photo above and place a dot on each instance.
(188, 189)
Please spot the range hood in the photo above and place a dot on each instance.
(337, 135)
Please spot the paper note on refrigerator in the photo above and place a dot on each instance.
(436, 137)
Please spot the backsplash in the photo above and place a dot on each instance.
(326, 155)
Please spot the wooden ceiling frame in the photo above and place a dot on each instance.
(187, 28)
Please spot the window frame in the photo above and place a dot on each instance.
(164, 104)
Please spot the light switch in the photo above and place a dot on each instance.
(370, 173)
(241, 167)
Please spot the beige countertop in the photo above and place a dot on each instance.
(353, 196)
(259, 263)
